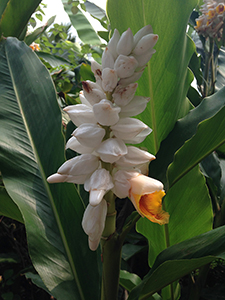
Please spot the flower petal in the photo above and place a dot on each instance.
(93, 223)
(134, 157)
(89, 135)
(80, 113)
(136, 106)
(92, 92)
(126, 42)
(74, 145)
(111, 150)
(105, 113)
(128, 128)
(109, 79)
(125, 66)
(107, 59)
(124, 94)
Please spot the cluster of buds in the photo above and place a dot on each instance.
(104, 126)
(210, 22)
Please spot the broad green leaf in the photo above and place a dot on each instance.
(129, 280)
(166, 78)
(53, 60)
(3, 5)
(8, 208)
(209, 136)
(32, 148)
(16, 16)
(94, 10)
(189, 206)
(84, 29)
(180, 259)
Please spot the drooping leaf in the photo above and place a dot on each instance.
(84, 29)
(31, 149)
(16, 16)
(8, 208)
(180, 259)
(129, 280)
(166, 79)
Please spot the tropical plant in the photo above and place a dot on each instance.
(187, 140)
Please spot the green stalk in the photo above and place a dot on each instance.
(111, 253)
(208, 63)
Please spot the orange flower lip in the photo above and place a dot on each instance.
(146, 194)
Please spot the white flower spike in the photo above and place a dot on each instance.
(106, 164)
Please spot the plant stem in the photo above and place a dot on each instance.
(208, 63)
(111, 253)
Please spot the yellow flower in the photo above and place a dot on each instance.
(146, 194)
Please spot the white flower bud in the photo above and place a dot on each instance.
(83, 100)
(145, 44)
(140, 137)
(121, 182)
(142, 32)
(80, 113)
(112, 44)
(89, 135)
(109, 79)
(125, 66)
(92, 92)
(136, 106)
(105, 113)
(107, 59)
(84, 164)
(125, 44)
(130, 79)
(98, 185)
(93, 223)
(124, 94)
(96, 68)
(111, 150)
(74, 145)
(144, 58)
(128, 128)
(134, 157)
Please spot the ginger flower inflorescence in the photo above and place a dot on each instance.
(210, 22)
(104, 128)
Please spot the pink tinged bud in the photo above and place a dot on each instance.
(128, 128)
(111, 150)
(93, 223)
(98, 185)
(140, 137)
(144, 58)
(56, 178)
(92, 92)
(89, 135)
(124, 94)
(84, 164)
(107, 59)
(96, 68)
(145, 44)
(112, 44)
(74, 145)
(125, 66)
(80, 113)
(133, 78)
(121, 182)
(126, 42)
(142, 32)
(105, 113)
(134, 157)
(136, 106)
(109, 79)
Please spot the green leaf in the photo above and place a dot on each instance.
(179, 260)
(95, 10)
(53, 60)
(16, 16)
(31, 149)
(8, 208)
(184, 130)
(209, 136)
(85, 31)
(39, 31)
(129, 280)
(166, 79)
(189, 206)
